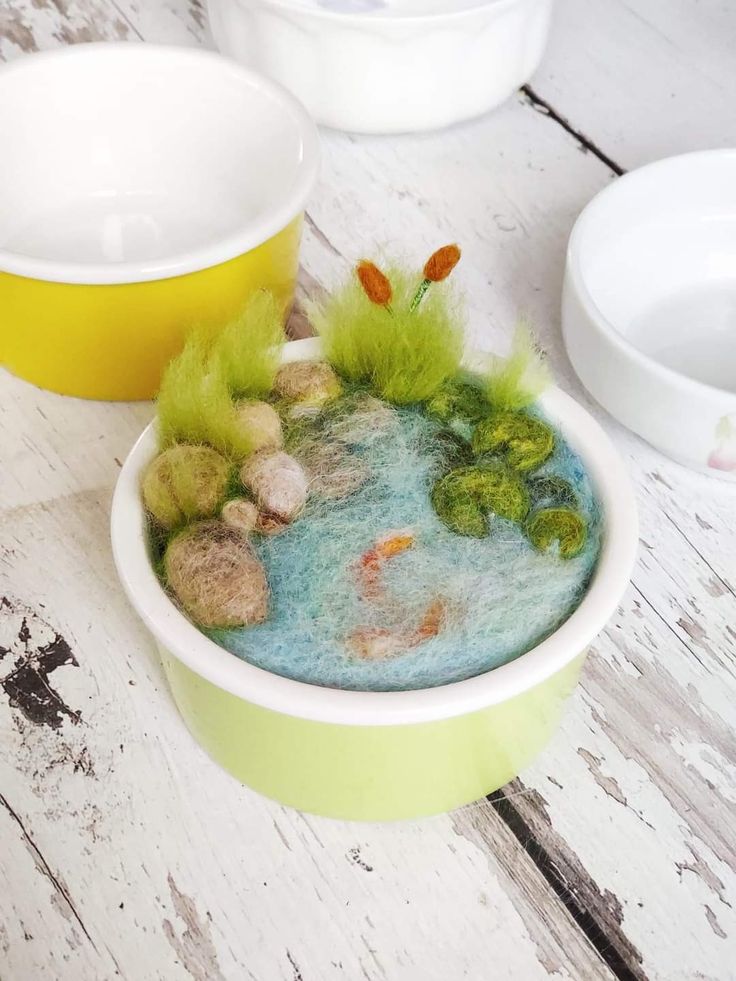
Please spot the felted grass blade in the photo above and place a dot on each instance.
(403, 356)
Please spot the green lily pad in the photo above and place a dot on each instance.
(524, 441)
(465, 498)
(458, 400)
(561, 525)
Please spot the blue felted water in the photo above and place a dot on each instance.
(500, 596)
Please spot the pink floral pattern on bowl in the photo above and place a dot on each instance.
(723, 456)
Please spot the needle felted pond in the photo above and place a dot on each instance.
(380, 520)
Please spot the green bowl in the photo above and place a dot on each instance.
(379, 756)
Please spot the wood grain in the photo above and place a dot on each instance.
(128, 854)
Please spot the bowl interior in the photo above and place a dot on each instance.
(130, 153)
(656, 253)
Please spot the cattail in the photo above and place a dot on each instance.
(438, 267)
(376, 286)
(441, 263)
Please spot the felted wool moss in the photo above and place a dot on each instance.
(525, 442)
(404, 356)
(456, 449)
(185, 482)
(348, 612)
(214, 574)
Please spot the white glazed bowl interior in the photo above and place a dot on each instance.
(176, 634)
(125, 162)
(654, 258)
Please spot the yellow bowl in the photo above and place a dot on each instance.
(144, 190)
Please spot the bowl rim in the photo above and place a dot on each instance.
(174, 632)
(252, 234)
(367, 18)
(577, 280)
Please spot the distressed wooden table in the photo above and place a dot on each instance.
(127, 854)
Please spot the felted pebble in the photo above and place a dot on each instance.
(557, 525)
(260, 424)
(240, 513)
(269, 525)
(277, 482)
(334, 472)
(314, 382)
(525, 442)
(363, 420)
(216, 577)
(185, 482)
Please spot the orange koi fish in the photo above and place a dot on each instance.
(372, 561)
(378, 643)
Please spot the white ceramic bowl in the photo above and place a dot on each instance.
(649, 306)
(388, 66)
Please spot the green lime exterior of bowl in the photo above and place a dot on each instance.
(370, 773)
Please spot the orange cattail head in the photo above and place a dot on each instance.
(377, 286)
(441, 263)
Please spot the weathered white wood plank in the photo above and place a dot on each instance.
(643, 79)
(215, 881)
(33, 25)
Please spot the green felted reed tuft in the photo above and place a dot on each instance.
(192, 400)
(404, 356)
(195, 402)
(516, 381)
(247, 351)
